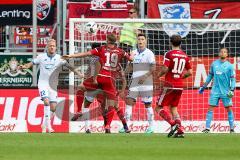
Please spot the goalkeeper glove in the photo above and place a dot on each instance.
(201, 89)
(230, 94)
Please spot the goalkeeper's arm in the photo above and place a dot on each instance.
(232, 80)
(209, 78)
(232, 84)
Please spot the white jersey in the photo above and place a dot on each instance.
(142, 62)
(49, 69)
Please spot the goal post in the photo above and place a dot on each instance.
(202, 39)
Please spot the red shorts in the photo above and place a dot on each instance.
(107, 84)
(88, 84)
(169, 97)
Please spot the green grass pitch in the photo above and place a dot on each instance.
(58, 146)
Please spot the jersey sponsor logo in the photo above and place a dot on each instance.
(176, 11)
(137, 60)
(49, 66)
(219, 72)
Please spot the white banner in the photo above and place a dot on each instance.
(13, 126)
(159, 127)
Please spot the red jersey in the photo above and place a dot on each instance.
(176, 61)
(110, 59)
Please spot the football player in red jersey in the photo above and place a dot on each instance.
(88, 98)
(110, 57)
(175, 61)
(88, 84)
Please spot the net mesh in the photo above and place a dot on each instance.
(200, 41)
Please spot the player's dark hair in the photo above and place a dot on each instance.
(142, 35)
(176, 40)
(111, 39)
(224, 48)
(95, 45)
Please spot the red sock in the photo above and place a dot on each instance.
(165, 115)
(109, 116)
(80, 98)
(178, 121)
(121, 116)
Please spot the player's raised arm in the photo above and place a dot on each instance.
(75, 70)
(26, 66)
(30, 64)
(77, 55)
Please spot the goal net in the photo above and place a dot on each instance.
(201, 41)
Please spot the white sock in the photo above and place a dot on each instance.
(150, 116)
(128, 112)
(86, 117)
(46, 119)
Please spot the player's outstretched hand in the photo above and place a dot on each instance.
(21, 67)
(230, 94)
(201, 90)
(66, 57)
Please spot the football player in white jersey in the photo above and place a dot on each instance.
(143, 66)
(50, 65)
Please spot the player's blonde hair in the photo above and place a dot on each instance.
(51, 40)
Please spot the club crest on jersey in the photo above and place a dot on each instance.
(43, 8)
(176, 11)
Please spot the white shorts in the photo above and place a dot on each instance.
(90, 95)
(145, 90)
(48, 92)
